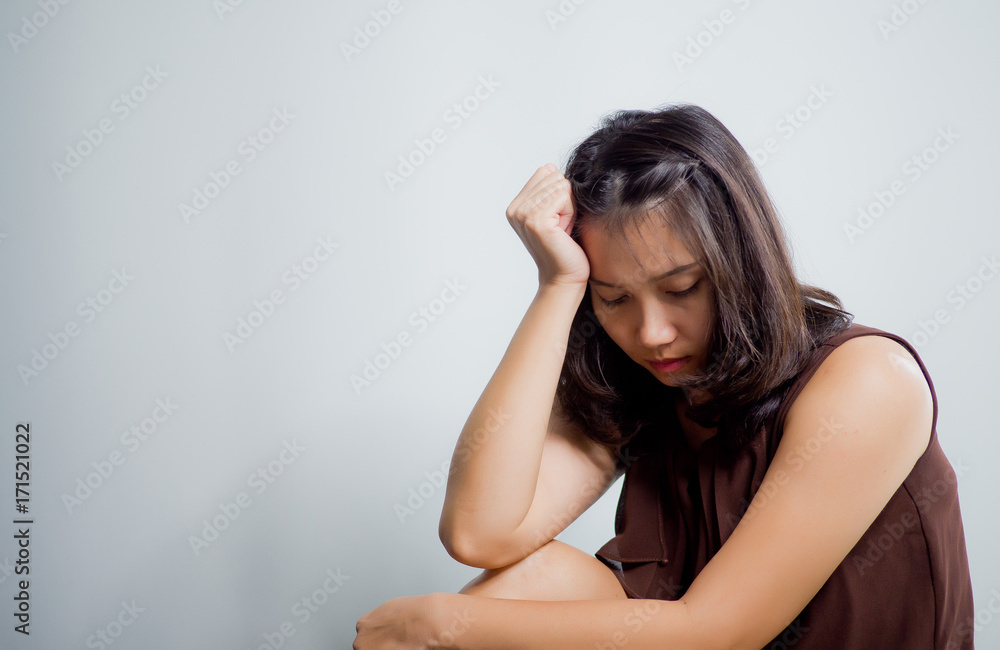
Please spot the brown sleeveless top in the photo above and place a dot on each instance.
(905, 584)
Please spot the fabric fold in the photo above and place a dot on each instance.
(678, 506)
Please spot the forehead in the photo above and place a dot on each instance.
(645, 250)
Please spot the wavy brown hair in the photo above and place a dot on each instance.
(682, 165)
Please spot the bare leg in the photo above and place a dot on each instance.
(556, 571)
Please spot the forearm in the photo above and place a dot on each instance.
(494, 471)
(478, 623)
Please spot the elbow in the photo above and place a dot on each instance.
(463, 549)
(458, 549)
(455, 547)
(456, 544)
(472, 550)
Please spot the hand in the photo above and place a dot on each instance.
(542, 214)
(406, 623)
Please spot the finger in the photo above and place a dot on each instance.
(540, 174)
(554, 194)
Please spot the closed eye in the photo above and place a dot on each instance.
(685, 292)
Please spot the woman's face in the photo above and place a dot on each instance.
(660, 307)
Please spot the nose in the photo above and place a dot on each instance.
(656, 328)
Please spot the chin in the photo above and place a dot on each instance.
(666, 381)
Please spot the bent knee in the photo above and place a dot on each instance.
(555, 571)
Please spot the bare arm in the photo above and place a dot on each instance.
(869, 408)
(521, 472)
(479, 623)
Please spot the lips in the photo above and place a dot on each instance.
(669, 365)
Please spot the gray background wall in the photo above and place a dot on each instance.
(145, 397)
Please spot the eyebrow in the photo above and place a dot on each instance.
(673, 271)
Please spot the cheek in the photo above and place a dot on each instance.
(612, 325)
(605, 315)
(706, 311)
(604, 320)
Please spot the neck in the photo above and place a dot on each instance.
(694, 433)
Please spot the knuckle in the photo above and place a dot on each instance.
(533, 226)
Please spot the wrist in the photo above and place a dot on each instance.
(449, 617)
(571, 289)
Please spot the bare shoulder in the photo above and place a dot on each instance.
(870, 384)
(850, 439)
(874, 354)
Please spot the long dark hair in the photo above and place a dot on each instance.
(681, 164)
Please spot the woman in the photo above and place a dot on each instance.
(784, 485)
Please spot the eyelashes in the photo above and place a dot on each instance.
(685, 292)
